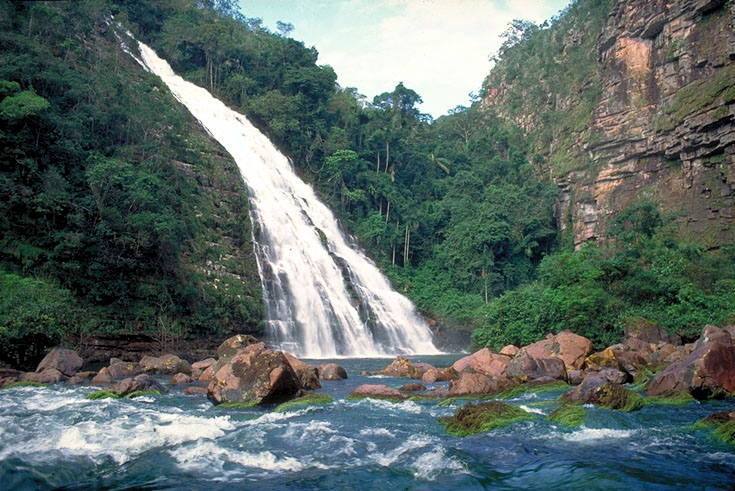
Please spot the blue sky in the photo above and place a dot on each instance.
(439, 48)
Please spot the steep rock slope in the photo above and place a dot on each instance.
(649, 115)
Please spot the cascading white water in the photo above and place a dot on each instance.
(324, 297)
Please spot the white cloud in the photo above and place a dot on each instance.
(440, 48)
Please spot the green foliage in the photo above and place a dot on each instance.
(721, 425)
(21, 105)
(480, 418)
(237, 405)
(304, 401)
(644, 273)
(103, 394)
(34, 314)
(571, 415)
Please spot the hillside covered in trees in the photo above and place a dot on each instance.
(114, 216)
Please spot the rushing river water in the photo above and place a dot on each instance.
(55, 437)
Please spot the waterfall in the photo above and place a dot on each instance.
(324, 297)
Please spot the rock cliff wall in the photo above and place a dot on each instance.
(660, 122)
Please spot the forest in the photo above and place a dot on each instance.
(458, 211)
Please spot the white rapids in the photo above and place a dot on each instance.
(324, 297)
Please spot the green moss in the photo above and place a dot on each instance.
(307, 400)
(15, 385)
(641, 379)
(142, 393)
(522, 389)
(673, 400)
(613, 396)
(569, 415)
(696, 96)
(237, 405)
(103, 394)
(721, 425)
(478, 418)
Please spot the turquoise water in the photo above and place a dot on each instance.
(55, 437)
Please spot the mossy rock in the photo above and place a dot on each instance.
(522, 389)
(479, 418)
(20, 383)
(304, 401)
(722, 426)
(679, 399)
(614, 396)
(103, 394)
(237, 405)
(571, 415)
(352, 397)
(641, 379)
(143, 393)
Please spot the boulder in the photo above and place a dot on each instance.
(332, 371)
(165, 364)
(254, 375)
(615, 376)
(195, 390)
(439, 375)
(135, 384)
(510, 350)
(649, 332)
(707, 372)
(231, 346)
(47, 376)
(575, 377)
(66, 361)
(597, 389)
(403, 367)
(180, 379)
(483, 361)
(82, 377)
(308, 374)
(122, 370)
(571, 348)
(473, 383)
(199, 367)
(376, 391)
(602, 359)
(412, 388)
(525, 367)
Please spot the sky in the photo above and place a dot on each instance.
(439, 48)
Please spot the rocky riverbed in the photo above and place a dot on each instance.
(650, 412)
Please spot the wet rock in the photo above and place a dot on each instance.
(575, 377)
(602, 359)
(525, 367)
(403, 367)
(483, 361)
(596, 389)
(478, 418)
(332, 371)
(139, 383)
(510, 350)
(195, 390)
(614, 375)
(254, 375)
(412, 388)
(707, 372)
(433, 375)
(82, 377)
(180, 379)
(571, 348)
(474, 383)
(118, 370)
(199, 367)
(165, 364)
(376, 391)
(308, 374)
(231, 346)
(47, 376)
(66, 361)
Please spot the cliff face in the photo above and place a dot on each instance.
(660, 122)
